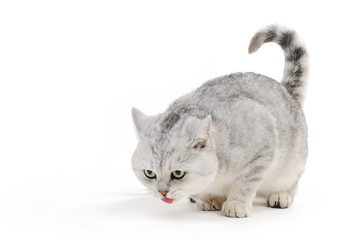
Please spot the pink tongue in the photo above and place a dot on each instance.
(168, 200)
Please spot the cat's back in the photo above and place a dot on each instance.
(249, 85)
(237, 94)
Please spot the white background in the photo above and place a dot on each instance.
(70, 71)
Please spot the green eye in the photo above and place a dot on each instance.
(150, 173)
(178, 174)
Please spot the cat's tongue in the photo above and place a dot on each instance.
(168, 200)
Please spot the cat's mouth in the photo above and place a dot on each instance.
(167, 200)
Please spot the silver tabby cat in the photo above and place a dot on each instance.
(235, 137)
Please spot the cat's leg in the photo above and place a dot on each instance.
(243, 190)
(280, 188)
(239, 202)
(208, 202)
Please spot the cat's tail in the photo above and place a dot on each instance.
(296, 57)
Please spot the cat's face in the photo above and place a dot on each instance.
(174, 158)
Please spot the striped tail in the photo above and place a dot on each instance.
(296, 57)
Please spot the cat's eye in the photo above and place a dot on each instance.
(150, 174)
(178, 174)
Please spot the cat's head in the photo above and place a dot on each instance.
(175, 156)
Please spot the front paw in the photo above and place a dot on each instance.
(233, 208)
(208, 202)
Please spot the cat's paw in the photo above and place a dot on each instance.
(233, 208)
(208, 202)
(279, 200)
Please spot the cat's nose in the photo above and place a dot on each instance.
(163, 192)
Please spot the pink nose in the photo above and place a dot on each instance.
(163, 192)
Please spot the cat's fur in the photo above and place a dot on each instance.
(254, 130)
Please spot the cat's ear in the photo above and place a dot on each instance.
(141, 121)
(202, 133)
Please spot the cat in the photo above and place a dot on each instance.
(234, 138)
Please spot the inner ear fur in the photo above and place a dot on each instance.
(203, 133)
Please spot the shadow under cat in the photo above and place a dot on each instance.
(145, 207)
